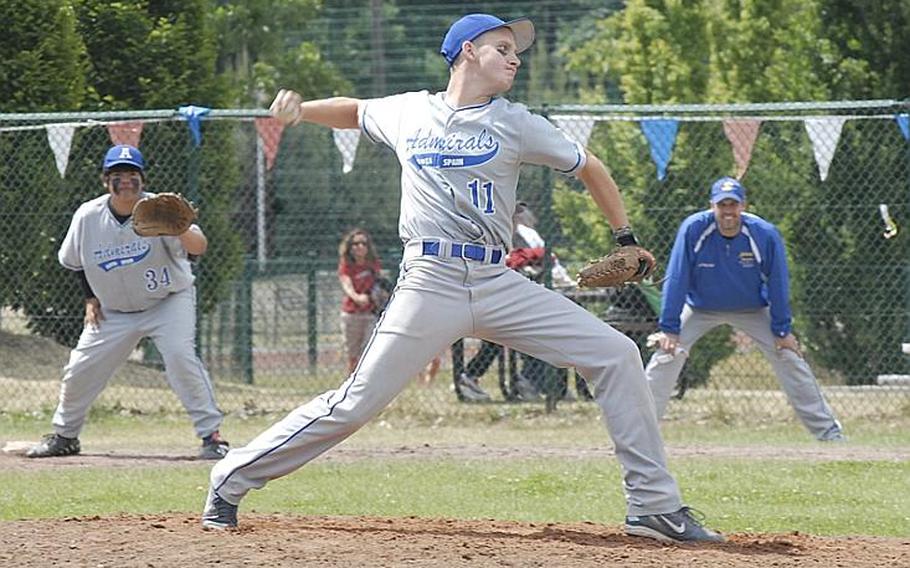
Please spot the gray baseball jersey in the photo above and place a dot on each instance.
(460, 167)
(459, 176)
(128, 273)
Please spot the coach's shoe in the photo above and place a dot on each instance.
(470, 389)
(681, 526)
(214, 447)
(52, 445)
(833, 434)
(218, 513)
(525, 389)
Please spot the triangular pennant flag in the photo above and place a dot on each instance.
(193, 115)
(661, 135)
(60, 138)
(824, 134)
(577, 127)
(346, 140)
(270, 130)
(742, 134)
(125, 133)
(903, 122)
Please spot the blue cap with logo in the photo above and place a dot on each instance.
(728, 188)
(471, 26)
(123, 154)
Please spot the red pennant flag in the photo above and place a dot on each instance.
(270, 130)
(742, 135)
(125, 133)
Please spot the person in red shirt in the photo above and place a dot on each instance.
(358, 270)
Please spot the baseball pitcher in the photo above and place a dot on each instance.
(460, 152)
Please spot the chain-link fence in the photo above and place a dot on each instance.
(275, 203)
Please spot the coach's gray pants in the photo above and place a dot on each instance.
(793, 372)
(436, 302)
(171, 324)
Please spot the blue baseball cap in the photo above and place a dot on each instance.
(123, 154)
(471, 26)
(728, 188)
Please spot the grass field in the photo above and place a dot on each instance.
(745, 479)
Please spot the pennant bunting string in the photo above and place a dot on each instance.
(346, 140)
(825, 134)
(742, 134)
(60, 138)
(661, 136)
(270, 131)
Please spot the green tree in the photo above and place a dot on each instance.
(681, 51)
(40, 42)
(42, 65)
(260, 50)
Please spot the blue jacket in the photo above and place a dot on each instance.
(711, 272)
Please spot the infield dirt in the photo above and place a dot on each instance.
(283, 540)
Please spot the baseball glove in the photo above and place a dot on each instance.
(380, 294)
(164, 214)
(624, 265)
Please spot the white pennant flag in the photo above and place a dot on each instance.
(577, 127)
(346, 140)
(60, 138)
(825, 134)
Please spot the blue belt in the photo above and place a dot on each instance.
(463, 250)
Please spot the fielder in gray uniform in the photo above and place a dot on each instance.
(460, 151)
(730, 267)
(134, 287)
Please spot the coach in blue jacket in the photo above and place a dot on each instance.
(730, 267)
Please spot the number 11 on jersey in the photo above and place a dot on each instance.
(475, 185)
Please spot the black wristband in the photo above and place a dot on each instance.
(87, 291)
(624, 236)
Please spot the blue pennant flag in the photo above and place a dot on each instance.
(903, 121)
(193, 115)
(661, 135)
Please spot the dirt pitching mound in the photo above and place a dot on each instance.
(283, 540)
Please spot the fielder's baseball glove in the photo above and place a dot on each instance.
(380, 294)
(624, 265)
(164, 214)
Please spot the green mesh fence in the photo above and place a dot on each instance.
(275, 205)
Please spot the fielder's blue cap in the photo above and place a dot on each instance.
(471, 26)
(123, 154)
(728, 188)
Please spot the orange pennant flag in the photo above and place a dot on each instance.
(270, 130)
(742, 134)
(125, 133)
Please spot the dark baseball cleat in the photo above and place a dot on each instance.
(525, 389)
(218, 513)
(214, 447)
(681, 526)
(470, 389)
(53, 445)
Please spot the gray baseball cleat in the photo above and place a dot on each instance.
(470, 389)
(681, 526)
(52, 445)
(214, 447)
(218, 513)
(525, 389)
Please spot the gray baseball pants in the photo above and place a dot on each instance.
(793, 372)
(437, 301)
(171, 324)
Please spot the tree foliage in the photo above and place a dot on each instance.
(42, 58)
(685, 51)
